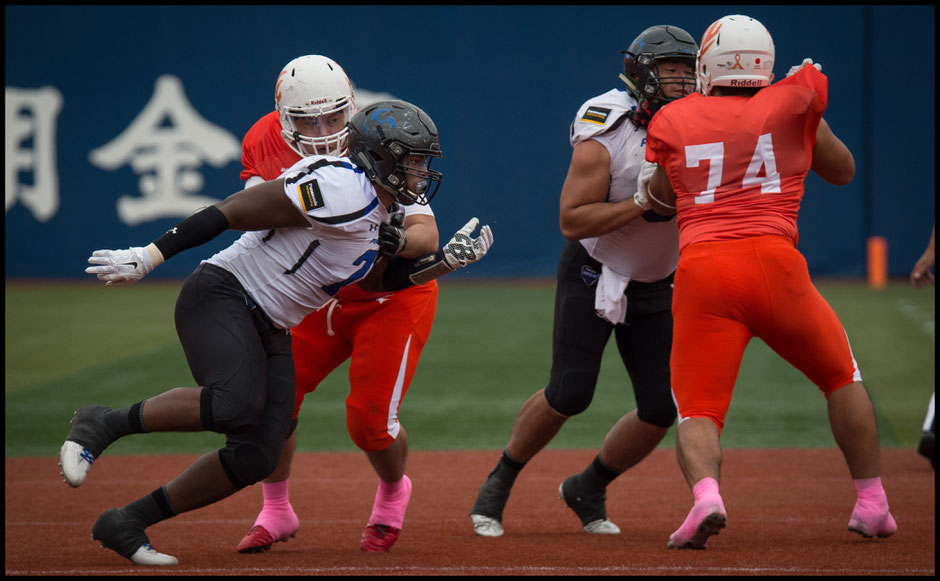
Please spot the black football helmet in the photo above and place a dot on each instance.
(655, 44)
(381, 137)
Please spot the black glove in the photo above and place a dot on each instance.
(392, 239)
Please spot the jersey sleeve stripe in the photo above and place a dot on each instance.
(320, 164)
(348, 217)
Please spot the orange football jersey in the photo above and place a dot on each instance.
(738, 164)
(264, 151)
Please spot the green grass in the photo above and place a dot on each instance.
(70, 344)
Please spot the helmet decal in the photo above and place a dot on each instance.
(737, 51)
(378, 122)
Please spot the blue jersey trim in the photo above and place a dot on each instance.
(348, 217)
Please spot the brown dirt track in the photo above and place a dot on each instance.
(788, 511)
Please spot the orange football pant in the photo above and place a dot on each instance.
(382, 335)
(729, 291)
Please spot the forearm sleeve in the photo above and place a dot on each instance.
(201, 227)
(402, 273)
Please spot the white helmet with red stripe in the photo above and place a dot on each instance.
(736, 51)
(315, 100)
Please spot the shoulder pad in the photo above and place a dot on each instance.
(601, 114)
(329, 189)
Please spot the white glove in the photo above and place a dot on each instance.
(120, 267)
(807, 61)
(463, 250)
(642, 195)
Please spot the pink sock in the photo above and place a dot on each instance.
(391, 501)
(872, 499)
(871, 516)
(707, 501)
(704, 488)
(277, 516)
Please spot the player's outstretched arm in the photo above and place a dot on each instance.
(256, 208)
(832, 160)
(459, 252)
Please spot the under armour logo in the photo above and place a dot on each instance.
(373, 227)
(171, 230)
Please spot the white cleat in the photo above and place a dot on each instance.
(147, 555)
(602, 527)
(486, 526)
(75, 461)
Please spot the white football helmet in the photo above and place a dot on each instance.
(736, 51)
(311, 89)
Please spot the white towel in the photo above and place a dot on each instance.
(609, 299)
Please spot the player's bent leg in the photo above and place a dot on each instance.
(852, 418)
(699, 453)
(535, 426)
(388, 515)
(277, 522)
(94, 428)
(87, 439)
(391, 497)
(626, 444)
(123, 534)
(123, 529)
(487, 512)
(707, 518)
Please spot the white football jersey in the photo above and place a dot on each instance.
(290, 272)
(647, 248)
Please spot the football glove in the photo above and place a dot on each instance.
(392, 239)
(463, 250)
(120, 267)
(642, 195)
(807, 61)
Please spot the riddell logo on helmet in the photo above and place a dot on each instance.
(745, 83)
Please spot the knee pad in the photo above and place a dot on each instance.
(570, 396)
(368, 431)
(227, 416)
(245, 463)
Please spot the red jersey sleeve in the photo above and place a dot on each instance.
(812, 79)
(264, 152)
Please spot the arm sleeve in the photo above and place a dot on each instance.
(402, 273)
(201, 227)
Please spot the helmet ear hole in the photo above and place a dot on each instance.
(642, 64)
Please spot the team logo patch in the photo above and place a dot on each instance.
(310, 195)
(589, 275)
(596, 115)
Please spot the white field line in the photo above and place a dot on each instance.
(919, 317)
